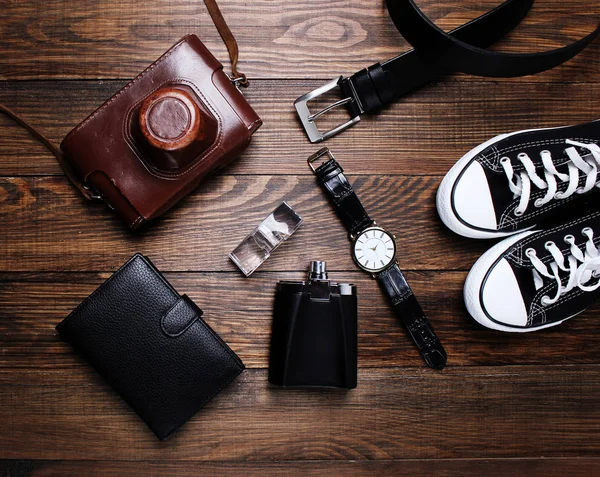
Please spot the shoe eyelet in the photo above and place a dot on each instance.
(545, 300)
(545, 151)
(505, 159)
(538, 203)
(518, 213)
(586, 230)
(522, 155)
(570, 239)
(579, 190)
(529, 252)
(548, 244)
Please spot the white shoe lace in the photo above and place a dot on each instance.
(581, 266)
(520, 183)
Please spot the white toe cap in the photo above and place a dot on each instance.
(472, 198)
(501, 296)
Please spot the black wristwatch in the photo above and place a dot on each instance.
(374, 250)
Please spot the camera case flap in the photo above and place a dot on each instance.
(155, 140)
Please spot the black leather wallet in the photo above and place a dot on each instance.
(151, 345)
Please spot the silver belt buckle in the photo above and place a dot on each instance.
(308, 119)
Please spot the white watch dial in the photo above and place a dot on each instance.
(374, 249)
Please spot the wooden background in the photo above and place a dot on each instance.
(506, 404)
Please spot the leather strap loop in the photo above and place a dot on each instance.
(463, 56)
(183, 314)
(347, 204)
(60, 156)
(228, 39)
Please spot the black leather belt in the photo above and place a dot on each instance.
(436, 53)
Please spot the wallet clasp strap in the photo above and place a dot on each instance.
(183, 314)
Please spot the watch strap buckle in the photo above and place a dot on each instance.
(317, 155)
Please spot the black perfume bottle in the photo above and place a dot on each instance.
(314, 338)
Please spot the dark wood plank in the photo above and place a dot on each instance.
(393, 413)
(109, 39)
(49, 227)
(506, 405)
(240, 310)
(425, 133)
(389, 468)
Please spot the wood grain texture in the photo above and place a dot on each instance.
(53, 229)
(425, 133)
(507, 405)
(277, 38)
(240, 310)
(554, 467)
(393, 413)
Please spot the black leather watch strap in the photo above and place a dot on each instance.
(349, 208)
(347, 205)
(410, 312)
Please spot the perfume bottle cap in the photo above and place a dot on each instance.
(318, 270)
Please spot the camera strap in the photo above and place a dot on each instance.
(435, 53)
(60, 156)
(229, 40)
(238, 79)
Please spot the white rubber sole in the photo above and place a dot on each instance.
(444, 192)
(474, 282)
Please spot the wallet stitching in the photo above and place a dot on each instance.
(131, 83)
(101, 287)
(234, 359)
(237, 372)
(224, 345)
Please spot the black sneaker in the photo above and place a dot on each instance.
(537, 279)
(516, 181)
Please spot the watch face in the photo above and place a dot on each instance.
(374, 249)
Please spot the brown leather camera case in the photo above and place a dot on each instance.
(155, 140)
